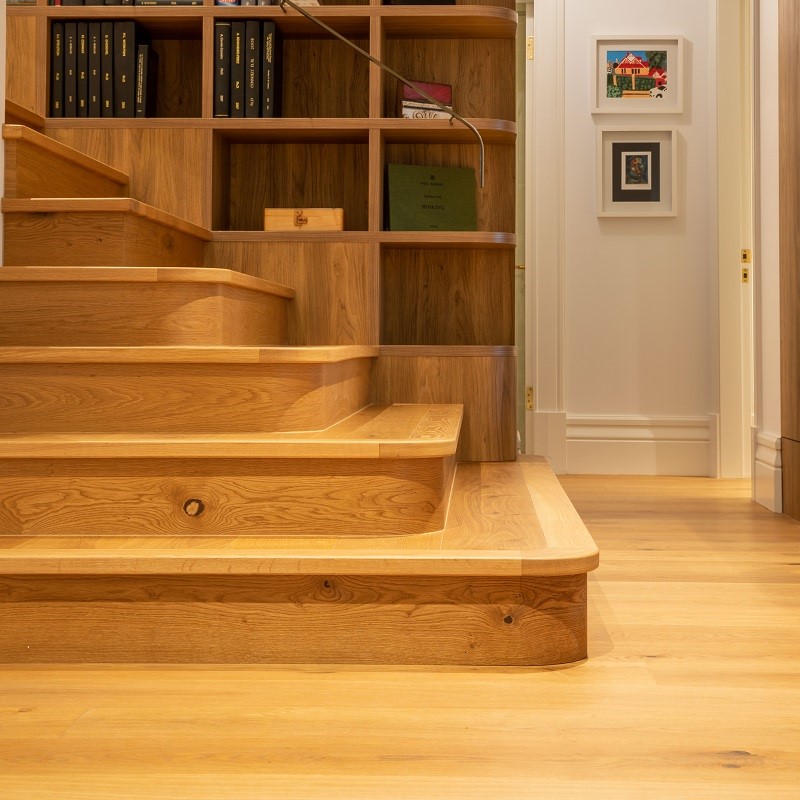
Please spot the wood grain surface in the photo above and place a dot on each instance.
(153, 313)
(485, 384)
(269, 495)
(42, 234)
(319, 272)
(789, 190)
(685, 695)
(104, 395)
(38, 166)
(438, 297)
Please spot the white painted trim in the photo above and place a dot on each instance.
(617, 445)
(550, 434)
(545, 235)
(767, 471)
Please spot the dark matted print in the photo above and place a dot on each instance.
(636, 172)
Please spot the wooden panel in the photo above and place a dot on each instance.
(344, 92)
(790, 458)
(437, 297)
(96, 239)
(495, 202)
(25, 60)
(336, 285)
(789, 54)
(156, 161)
(276, 619)
(149, 398)
(36, 166)
(296, 176)
(244, 496)
(136, 314)
(179, 77)
(484, 384)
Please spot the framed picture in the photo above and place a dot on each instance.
(637, 172)
(638, 75)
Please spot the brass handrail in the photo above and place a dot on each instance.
(386, 68)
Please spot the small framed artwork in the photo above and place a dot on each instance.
(637, 172)
(635, 75)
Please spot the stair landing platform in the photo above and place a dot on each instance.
(502, 583)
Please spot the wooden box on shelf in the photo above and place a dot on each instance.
(303, 219)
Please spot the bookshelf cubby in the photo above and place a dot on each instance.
(439, 304)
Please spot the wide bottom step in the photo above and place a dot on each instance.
(503, 583)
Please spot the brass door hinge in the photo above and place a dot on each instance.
(747, 256)
(745, 275)
(529, 398)
(529, 49)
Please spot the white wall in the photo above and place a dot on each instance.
(640, 354)
(767, 466)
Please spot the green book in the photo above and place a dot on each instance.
(421, 198)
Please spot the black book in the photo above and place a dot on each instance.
(94, 68)
(146, 80)
(71, 2)
(237, 68)
(57, 70)
(271, 71)
(83, 69)
(106, 68)
(94, 2)
(168, 2)
(124, 68)
(112, 2)
(70, 69)
(222, 69)
(252, 67)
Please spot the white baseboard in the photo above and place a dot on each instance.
(639, 445)
(767, 472)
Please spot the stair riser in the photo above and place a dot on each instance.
(138, 315)
(32, 171)
(294, 619)
(239, 497)
(180, 398)
(91, 239)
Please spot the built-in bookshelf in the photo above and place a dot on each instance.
(440, 303)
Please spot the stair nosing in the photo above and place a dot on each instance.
(185, 354)
(218, 275)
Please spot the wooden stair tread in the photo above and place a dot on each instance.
(143, 275)
(171, 354)
(542, 535)
(54, 205)
(64, 152)
(399, 431)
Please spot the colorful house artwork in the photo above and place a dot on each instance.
(633, 73)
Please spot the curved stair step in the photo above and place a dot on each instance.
(139, 306)
(504, 582)
(384, 470)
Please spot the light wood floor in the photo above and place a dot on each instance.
(691, 691)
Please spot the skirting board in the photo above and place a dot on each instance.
(549, 438)
(639, 445)
(767, 471)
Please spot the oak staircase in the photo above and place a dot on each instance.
(180, 482)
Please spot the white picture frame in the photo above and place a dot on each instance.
(638, 75)
(637, 172)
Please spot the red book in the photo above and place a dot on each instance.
(442, 92)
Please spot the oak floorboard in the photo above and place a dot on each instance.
(670, 704)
